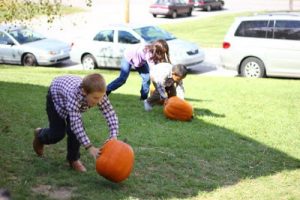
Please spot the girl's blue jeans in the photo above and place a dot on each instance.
(124, 73)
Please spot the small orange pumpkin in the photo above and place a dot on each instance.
(178, 109)
(116, 161)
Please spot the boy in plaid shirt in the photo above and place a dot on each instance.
(67, 98)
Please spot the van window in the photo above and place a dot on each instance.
(287, 29)
(270, 29)
(256, 29)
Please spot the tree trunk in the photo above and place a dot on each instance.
(126, 10)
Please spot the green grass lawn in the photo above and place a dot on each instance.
(206, 32)
(243, 142)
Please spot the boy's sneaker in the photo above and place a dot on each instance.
(77, 166)
(147, 106)
(38, 147)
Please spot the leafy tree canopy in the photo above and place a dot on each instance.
(25, 9)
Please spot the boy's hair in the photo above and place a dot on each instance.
(159, 50)
(180, 70)
(93, 83)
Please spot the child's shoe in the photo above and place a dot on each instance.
(38, 147)
(147, 106)
(77, 166)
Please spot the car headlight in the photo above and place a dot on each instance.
(52, 53)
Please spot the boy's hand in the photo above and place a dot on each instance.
(165, 102)
(100, 149)
(95, 152)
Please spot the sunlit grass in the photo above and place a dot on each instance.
(242, 143)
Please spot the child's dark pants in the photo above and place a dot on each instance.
(58, 127)
(155, 97)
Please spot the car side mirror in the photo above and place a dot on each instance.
(135, 41)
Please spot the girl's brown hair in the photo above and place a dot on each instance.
(159, 50)
(93, 83)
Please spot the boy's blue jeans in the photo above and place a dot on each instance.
(58, 127)
(124, 73)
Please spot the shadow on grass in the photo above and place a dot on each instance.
(172, 159)
(206, 112)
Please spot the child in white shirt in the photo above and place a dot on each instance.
(167, 80)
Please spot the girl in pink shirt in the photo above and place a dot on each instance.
(141, 57)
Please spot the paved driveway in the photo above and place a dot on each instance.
(112, 11)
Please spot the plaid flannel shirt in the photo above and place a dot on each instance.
(69, 101)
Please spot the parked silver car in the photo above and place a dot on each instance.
(105, 47)
(20, 45)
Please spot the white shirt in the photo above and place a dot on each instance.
(159, 73)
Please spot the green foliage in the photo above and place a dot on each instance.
(243, 142)
(11, 10)
(89, 3)
(25, 10)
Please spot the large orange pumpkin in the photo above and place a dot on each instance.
(116, 161)
(178, 109)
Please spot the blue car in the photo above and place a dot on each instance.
(20, 45)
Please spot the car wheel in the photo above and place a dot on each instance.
(253, 67)
(154, 15)
(208, 8)
(174, 14)
(89, 62)
(29, 60)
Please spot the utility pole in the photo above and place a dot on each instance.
(291, 5)
(127, 11)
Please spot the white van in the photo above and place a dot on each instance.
(263, 45)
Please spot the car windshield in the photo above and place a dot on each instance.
(25, 35)
(152, 33)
